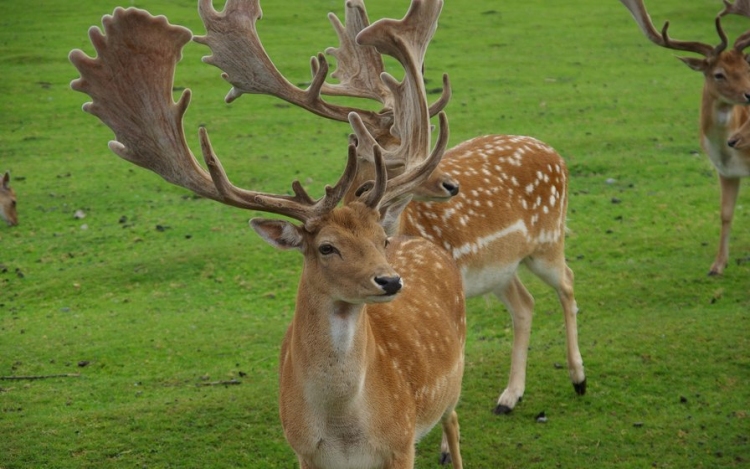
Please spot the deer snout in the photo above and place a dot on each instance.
(451, 187)
(390, 284)
(732, 142)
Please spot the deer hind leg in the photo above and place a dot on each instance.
(520, 305)
(449, 448)
(559, 276)
(730, 187)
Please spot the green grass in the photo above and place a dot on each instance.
(148, 316)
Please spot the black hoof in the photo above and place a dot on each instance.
(445, 458)
(502, 409)
(580, 387)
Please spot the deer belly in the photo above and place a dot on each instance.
(487, 279)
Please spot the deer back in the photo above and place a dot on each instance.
(513, 204)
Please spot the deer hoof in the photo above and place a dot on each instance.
(502, 409)
(580, 387)
(445, 458)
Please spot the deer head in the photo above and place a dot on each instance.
(726, 71)
(8, 201)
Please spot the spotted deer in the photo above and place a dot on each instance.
(8, 201)
(511, 207)
(373, 357)
(723, 110)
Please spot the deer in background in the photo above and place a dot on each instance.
(726, 95)
(373, 357)
(511, 207)
(8, 201)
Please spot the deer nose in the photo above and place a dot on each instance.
(451, 188)
(732, 142)
(747, 97)
(390, 285)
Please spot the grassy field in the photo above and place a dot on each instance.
(156, 295)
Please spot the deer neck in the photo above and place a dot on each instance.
(718, 118)
(332, 345)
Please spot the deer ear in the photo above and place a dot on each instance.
(389, 216)
(278, 233)
(6, 180)
(694, 63)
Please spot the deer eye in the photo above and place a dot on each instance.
(719, 76)
(326, 249)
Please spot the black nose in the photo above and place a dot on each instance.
(747, 97)
(390, 285)
(733, 142)
(451, 188)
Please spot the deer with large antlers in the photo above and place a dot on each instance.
(8, 201)
(726, 95)
(373, 357)
(511, 208)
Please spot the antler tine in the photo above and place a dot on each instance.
(237, 50)
(131, 82)
(405, 183)
(641, 16)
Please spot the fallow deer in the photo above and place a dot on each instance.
(373, 357)
(511, 208)
(8, 201)
(726, 95)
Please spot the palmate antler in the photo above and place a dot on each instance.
(131, 81)
(237, 50)
(739, 7)
(405, 40)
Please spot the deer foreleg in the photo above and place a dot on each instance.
(730, 187)
(450, 451)
(520, 305)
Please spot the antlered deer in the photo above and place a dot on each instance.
(726, 95)
(373, 357)
(8, 201)
(510, 210)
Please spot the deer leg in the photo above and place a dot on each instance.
(730, 187)
(520, 305)
(449, 448)
(561, 279)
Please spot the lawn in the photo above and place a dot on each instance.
(153, 318)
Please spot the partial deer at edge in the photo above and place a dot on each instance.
(510, 209)
(8, 201)
(373, 357)
(723, 111)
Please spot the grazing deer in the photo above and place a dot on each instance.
(8, 202)
(512, 204)
(373, 357)
(726, 95)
